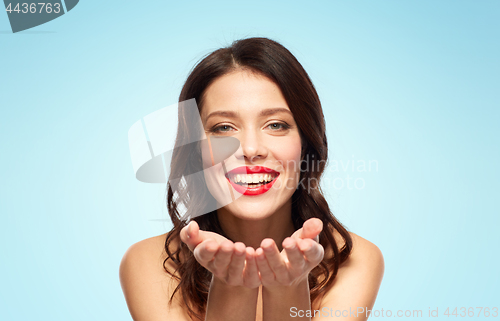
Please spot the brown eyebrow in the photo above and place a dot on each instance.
(272, 111)
(265, 112)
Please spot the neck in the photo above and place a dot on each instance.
(278, 226)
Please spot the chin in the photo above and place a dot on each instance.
(250, 210)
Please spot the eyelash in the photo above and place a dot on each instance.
(216, 130)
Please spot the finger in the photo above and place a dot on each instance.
(183, 235)
(190, 235)
(205, 252)
(311, 228)
(275, 260)
(294, 255)
(313, 251)
(251, 273)
(223, 256)
(266, 273)
(235, 269)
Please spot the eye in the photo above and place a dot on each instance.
(220, 129)
(278, 126)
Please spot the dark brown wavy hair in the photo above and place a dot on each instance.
(268, 58)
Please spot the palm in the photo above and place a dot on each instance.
(228, 262)
(233, 263)
(310, 230)
(214, 236)
(193, 236)
(301, 253)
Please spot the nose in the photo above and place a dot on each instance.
(252, 147)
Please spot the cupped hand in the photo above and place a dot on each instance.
(232, 263)
(301, 253)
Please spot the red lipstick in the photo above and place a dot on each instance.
(238, 179)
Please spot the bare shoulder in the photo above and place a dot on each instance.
(366, 253)
(358, 278)
(146, 285)
(363, 253)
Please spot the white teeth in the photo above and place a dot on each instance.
(252, 178)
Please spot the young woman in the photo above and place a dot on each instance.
(276, 252)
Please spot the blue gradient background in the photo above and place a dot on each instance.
(413, 85)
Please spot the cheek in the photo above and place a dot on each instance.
(205, 155)
(288, 153)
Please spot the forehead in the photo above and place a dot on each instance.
(244, 92)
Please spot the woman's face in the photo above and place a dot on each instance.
(264, 172)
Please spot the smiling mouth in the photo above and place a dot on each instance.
(252, 180)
